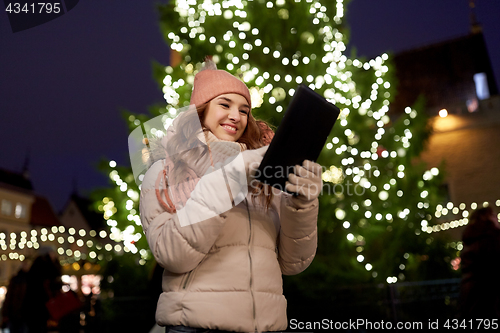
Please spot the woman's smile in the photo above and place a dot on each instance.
(227, 116)
(230, 128)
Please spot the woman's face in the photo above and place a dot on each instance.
(227, 116)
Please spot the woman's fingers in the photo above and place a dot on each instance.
(313, 167)
(306, 180)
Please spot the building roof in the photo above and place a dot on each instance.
(42, 213)
(15, 181)
(443, 73)
(93, 218)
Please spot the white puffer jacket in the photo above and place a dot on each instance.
(225, 272)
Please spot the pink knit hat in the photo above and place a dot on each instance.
(211, 82)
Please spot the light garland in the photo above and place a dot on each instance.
(64, 240)
(450, 209)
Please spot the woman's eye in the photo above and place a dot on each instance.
(224, 105)
(244, 111)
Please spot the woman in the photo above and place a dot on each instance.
(223, 263)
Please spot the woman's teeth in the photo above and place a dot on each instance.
(231, 128)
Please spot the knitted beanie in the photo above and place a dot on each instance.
(211, 82)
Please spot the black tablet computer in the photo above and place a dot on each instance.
(303, 131)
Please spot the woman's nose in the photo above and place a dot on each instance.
(234, 114)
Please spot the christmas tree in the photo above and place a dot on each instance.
(378, 201)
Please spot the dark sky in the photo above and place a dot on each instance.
(63, 83)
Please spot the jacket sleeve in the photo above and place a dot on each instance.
(298, 238)
(177, 248)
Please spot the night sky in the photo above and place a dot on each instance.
(63, 84)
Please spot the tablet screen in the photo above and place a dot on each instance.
(303, 131)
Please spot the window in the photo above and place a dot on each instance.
(20, 212)
(482, 90)
(6, 207)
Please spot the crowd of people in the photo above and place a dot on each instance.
(25, 308)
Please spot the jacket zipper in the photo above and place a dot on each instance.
(251, 274)
(188, 275)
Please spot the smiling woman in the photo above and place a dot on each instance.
(224, 244)
(227, 116)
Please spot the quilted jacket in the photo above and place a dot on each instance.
(226, 271)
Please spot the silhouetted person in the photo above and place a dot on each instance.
(13, 315)
(44, 282)
(480, 289)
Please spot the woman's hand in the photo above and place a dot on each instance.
(306, 182)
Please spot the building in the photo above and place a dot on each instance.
(28, 223)
(23, 215)
(78, 214)
(456, 79)
(16, 199)
(81, 220)
(454, 75)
